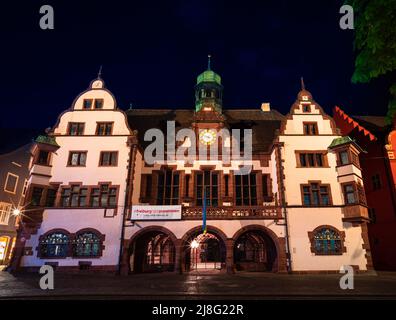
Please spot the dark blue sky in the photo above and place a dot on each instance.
(152, 51)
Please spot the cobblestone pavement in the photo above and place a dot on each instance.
(200, 286)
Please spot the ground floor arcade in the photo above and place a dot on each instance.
(252, 248)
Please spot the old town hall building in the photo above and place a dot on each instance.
(95, 202)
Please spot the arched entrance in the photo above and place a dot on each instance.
(254, 250)
(203, 252)
(152, 250)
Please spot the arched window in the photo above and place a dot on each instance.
(87, 244)
(55, 244)
(327, 241)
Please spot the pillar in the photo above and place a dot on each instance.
(230, 256)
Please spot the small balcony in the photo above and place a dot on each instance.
(355, 213)
(216, 213)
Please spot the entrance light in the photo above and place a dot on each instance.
(194, 244)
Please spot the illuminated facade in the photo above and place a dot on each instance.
(300, 208)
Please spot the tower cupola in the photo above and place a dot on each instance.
(208, 90)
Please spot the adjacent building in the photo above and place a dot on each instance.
(97, 201)
(379, 175)
(14, 173)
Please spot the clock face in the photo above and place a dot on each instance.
(207, 136)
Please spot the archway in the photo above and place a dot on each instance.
(255, 250)
(204, 251)
(152, 250)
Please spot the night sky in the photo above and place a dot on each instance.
(152, 51)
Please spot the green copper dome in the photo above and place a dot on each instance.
(209, 76)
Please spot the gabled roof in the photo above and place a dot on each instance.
(263, 124)
(354, 124)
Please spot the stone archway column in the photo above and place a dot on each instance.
(230, 256)
(124, 270)
(178, 256)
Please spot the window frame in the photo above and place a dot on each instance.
(79, 152)
(5, 213)
(341, 235)
(310, 124)
(204, 186)
(249, 187)
(90, 100)
(97, 100)
(110, 188)
(16, 183)
(314, 153)
(173, 200)
(104, 123)
(318, 190)
(80, 127)
(101, 154)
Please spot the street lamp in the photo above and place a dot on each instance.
(194, 245)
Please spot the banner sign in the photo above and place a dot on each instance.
(156, 212)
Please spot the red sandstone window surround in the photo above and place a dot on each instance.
(104, 128)
(327, 240)
(108, 158)
(76, 128)
(316, 194)
(77, 158)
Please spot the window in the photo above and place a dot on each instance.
(310, 128)
(87, 244)
(326, 241)
(168, 187)
(316, 194)
(75, 196)
(349, 194)
(207, 181)
(76, 128)
(104, 196)
(187, 185)
(25, 186)
(77, 158)
(226, 180)
(343, 157)
(87, 104)
(98, 103)
(50, 199)
(54, 245)
(308, 160)
(108, 158)
(11, 183)
(104, 128)
(245, 190)
(5, 212)
(376, 182)
(306, 108)
(36, 196)
(43, 157)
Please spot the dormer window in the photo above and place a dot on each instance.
(76, 128)
(87, 104)
(98, 104)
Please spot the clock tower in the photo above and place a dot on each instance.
(208, 91)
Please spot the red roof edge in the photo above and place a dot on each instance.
(339, 112)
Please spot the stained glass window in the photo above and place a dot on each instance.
(327, 241)
(54, 245)
(86, 244)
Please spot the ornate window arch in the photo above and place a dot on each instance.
(88, 243)
(327, 240)
(54, 244)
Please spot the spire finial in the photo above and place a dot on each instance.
(302, 83)
(209, 56)
(100, 72)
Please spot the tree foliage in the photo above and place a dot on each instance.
(375, 43)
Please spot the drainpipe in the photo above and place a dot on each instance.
(128, 194)
(283, 205)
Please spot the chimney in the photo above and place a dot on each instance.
(265, 106)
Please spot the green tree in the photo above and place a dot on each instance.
(375, 43)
